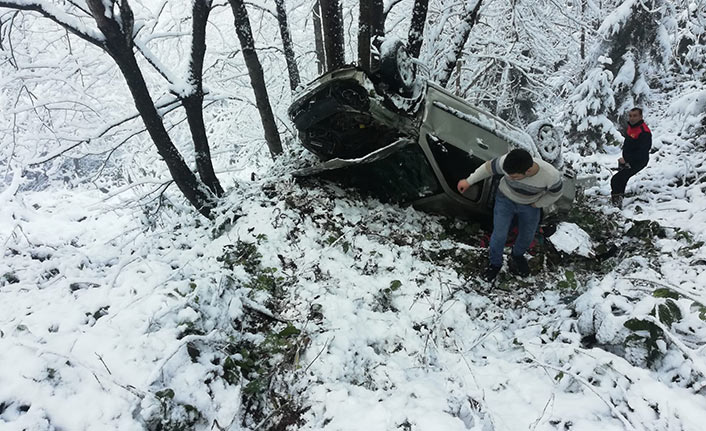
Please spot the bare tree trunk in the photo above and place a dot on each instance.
(377, 28)
(582, 4)
(118, 45)
(319, 39)
(292, 68)
(452, 55)
(257, 78)
(377, 19)
(333, 33)
(193, 102)
(416, 27)
(364, 28)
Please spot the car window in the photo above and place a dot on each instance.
(455, 164)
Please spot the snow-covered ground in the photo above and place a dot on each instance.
(346, 314)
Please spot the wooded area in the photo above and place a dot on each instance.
(503, 66)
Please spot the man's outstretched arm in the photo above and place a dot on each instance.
(484, 171)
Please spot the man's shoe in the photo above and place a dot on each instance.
(518, 265)
(491, 272)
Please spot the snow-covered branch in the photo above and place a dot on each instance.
(263, 7)
(698, 365)
(60, 16)
(617, 413)
(54, 154)
(453, 52)
(155, 62)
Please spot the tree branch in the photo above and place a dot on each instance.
(152, 60)
(606, 400)
(60, 17)
(61, 151)
(262, 8)
(698, 366)
(388, 8)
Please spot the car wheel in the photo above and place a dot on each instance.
(397, 68)
(548, 143)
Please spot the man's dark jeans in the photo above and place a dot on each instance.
(620, 180)
(528, 220)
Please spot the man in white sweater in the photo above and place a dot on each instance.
(527, 185)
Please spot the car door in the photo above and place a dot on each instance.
(457, 138)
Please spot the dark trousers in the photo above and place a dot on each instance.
(620, 180)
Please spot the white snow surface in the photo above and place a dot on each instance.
(570, 238)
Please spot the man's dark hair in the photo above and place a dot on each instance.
(517, 161)
(637, 109)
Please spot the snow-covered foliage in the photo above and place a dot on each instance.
(590, 127)
(632, 51)
(305, 306)
(688, 103)
(689, 31)
(513, 49)
(634, 37)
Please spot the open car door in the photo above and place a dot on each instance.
(457, 139)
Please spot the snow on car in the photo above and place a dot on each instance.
(410, 140)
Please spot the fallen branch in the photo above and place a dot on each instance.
(41, 350)
(275, 411)
(253, 306)
(677, 289)
(317, 355)
(613, 408)
(695, 360)
(183, 342)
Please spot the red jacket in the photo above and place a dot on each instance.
(637, 145)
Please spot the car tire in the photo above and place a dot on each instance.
(397, 69)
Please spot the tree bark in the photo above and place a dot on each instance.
(451, 56)
(292, 68)
(319, 39)
(364, 27)
(377, 29)
(257, 79)
(333, 33)
(193, 105)
(377, 20)
(193, 102)
(582, 4)
(118, 45)
(416, 27)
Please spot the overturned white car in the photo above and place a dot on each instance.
(410, 142)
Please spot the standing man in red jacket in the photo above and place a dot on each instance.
(636, 154)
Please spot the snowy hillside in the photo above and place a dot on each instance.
(307, 304)
(302, 305)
